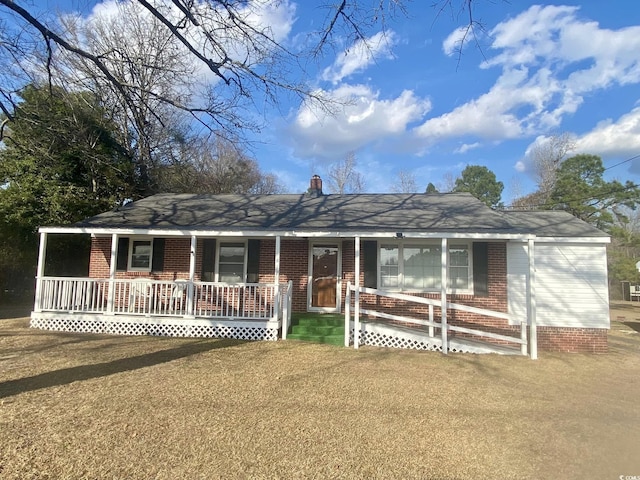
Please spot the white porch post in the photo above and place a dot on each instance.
(276, 291)
(443, 296)
(356, 309)
(531, 302)
(42, 254)
(192, 275)
(112, 272)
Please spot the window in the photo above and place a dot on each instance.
(231, 262)
(389, 271)
(140, 254)
(418, 266)
(422, 267)
(459, 267)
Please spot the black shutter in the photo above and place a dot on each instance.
(370, 263)
(122, 258)
(208, 259)
(480, 269)
(253, 261)
(157, 262)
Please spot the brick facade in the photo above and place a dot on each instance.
(294, 266)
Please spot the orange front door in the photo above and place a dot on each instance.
(324, 276)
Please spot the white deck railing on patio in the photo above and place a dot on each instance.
(162, 298)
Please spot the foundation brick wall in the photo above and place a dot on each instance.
(573, 340)
(294, 266)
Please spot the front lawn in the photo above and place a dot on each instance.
(97, 406)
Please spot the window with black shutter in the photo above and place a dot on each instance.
(208, 259)
(370, 263)
(253, 261)
(157, 262)
(481, 269)
(122, 258)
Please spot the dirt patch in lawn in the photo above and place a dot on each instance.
(95, 406)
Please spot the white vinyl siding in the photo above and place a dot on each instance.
(571, 284)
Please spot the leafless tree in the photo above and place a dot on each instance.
(216, 166)
(405, 182)
(448, 183)
(246, 62)
(343, 176)
(546, 157)
(134, 46)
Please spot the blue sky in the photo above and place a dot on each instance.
(538, 69)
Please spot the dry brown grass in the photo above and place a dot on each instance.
(94, 406)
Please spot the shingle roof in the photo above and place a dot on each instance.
(444, 212)
(552, 223)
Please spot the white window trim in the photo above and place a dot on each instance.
(130, 254)
(412, 242)
(219, 244)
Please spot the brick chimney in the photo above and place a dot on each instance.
(315, 186)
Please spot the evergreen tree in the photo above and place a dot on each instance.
(480, 182)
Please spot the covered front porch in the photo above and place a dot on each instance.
(319, 272)
(173, 308)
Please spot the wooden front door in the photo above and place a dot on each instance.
(324, 277)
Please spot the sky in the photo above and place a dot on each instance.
(419, 105)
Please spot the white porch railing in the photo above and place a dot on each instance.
(248, 301)
(431, 323)
(73, 295)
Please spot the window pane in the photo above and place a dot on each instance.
(231, 273)
(422, 266)
(141, 254)
(232, 253)
(231, 263)
(389, 266)
(459, 266)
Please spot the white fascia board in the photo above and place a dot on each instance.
(592, 240)
(279, 233)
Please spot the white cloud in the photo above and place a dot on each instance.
(531, 36)
(514, 106)
(618, 139)
(465, 147)
(365, 118)
(550, 59)
(554, 34)
(455, 41)
(611, 139)
(359, 56)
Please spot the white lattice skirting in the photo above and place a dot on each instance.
(164, 327)
(397, 340)
(381, 335)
